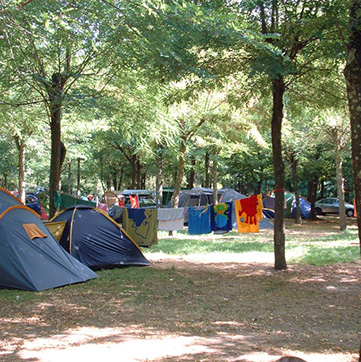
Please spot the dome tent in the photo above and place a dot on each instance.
(95, 239)
(30, 257)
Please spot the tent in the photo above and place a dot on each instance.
(290, 205)
(195, 197)
(30, 257)
(305, 208)
(95, 239)
(231, 195)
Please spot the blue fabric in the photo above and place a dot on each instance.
(221, 217)
(199, 221)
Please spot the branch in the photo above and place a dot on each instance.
(20, 103)
(26, 2)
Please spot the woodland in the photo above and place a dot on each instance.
(254, 95)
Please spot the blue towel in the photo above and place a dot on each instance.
(199, 221)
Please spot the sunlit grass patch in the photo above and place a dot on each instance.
(323, 255)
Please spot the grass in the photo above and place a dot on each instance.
(327, 246)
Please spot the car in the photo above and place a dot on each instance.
(331, 206)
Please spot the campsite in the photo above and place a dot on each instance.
(180, 180)
(217, 298)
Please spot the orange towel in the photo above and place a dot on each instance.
(248, 214)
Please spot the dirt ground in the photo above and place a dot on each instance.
(194, 308)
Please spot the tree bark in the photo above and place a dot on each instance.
(20, 145)
(215, 180)
(78, 192)
(55, 93)
(180, 173)
(70, 178)
(192, 174)
(339, 181)
(352, 74)
(313, 196)
(207, 166)
(279, 172)
(159, 178)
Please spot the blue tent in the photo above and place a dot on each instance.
(95, 239)
(290, 206)
(30, 257)
(305, 208)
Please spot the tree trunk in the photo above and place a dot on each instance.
(298, 219)
(313, 196)
(339, 181)
(78, 192)
(192, 174)
(101, 162)
(215, 180)
(353, 81)
(133, 162)
(55, 93)
(139, 174)
(70, 178)
(180, 172)
(279, 172)
(20, 145)
(159, 178)
(207, 165)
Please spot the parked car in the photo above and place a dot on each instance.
(331, 206)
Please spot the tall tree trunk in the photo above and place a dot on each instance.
(353, 81)
(298, 219)
(339, 181)
(133, 166)
(159, 178)
(180, 173)
(70, 177)
(55, 93)
(313, 196)
(207, 166)
(139, 174)
(78, 192)
(279, 172)
(101, 162)
(215, 179)
(192, 174)
(20, 145)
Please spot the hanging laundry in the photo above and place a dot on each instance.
(121, 201)
(248, 214)
(134, 202)
(199, 221)
(141, 225)
(170, 219)
(221, 218)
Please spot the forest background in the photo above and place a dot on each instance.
(141, 94)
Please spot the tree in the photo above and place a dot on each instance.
(294, 30)
(352, 74)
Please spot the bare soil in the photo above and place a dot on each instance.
(195, 308)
